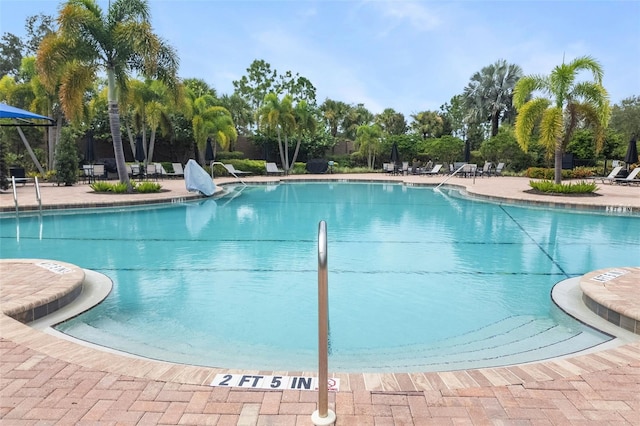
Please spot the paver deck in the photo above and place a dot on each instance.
(48, 380)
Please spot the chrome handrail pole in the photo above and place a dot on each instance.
(323, 416)
(15, 193)
(450, 176)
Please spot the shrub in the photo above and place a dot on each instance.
(562, 188)
(67, 158)
(101, 186)
(147, 187)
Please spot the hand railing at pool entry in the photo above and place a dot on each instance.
(449, 177)
(323, 416)
(230, 171)
(15, 194)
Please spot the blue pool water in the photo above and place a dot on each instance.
(418, 280)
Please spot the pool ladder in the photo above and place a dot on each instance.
(222, 164)
(450, 176)
(15, 194)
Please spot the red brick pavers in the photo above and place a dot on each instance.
(37, 389)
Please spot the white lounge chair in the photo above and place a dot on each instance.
(611, 177)
(631, 178)
(434, 171)
(234, 171)
(498, 171)
(272, 169)
(178, 171)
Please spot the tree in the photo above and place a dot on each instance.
(369, 142)
(428, 124)
(625, 117)
(278, 115)
(392, 122)
(489, 93)
(572, 102)
(11, 48)
(305, 123)
(118, 42)
(255, 86)
(240, 112)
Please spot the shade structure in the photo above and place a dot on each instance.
(22, 116)
(395, 155)
(139, 150)
(208, 153)
(632, 152)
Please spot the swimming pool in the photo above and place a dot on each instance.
(418, 280)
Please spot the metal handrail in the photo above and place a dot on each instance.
(323, 416)
(38, 197)
(449, 177)
(223, 165)
(15, 193)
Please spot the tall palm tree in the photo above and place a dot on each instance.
(305, 123)
(369, 142)
(277, 115)
(118, 42)
(488, 96)
(569, 103)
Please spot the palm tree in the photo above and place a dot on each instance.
(571, 102)
(428, 124)
(278, 115)
(369, 142)
(489, 93)
(118, 42)
(305, 123)
(209, 120)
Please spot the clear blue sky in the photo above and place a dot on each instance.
(407, 55)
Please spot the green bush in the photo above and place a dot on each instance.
(147, 187)
(547, 173)
(67, 158)
(226, 155)
(562, 188)
(101, 186)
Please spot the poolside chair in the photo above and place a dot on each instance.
(498, 170)
(387, 167)
(486, 169)
(434, 171)
(99, 172)
(405, 168)
(152, 171)
(178, 171)
(630, 179)
(235, 172)
(272, 169)
(611, 177)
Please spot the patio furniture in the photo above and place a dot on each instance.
(611, 177)
(630, 179)
(272, 169)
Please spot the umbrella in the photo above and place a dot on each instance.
(632, 153)
(89, 155)
(139, 150)
(467, 151)
(208, 154)
(395, 156)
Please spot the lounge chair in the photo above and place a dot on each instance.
(152, 171)
(434, 171)
(486, 169)
(234, 171)
(99, 172)
(272, 169)
(499, 168)
(630, 179)
(178, 171)
(611, 177)
(387, 167)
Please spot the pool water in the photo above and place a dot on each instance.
(419, 280)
